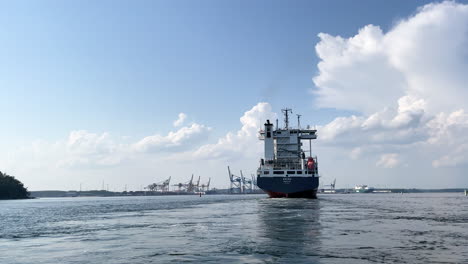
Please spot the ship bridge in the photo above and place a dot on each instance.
(284, 145)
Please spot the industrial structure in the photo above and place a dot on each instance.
(205, 187)
(329, 188)
(254, 182)
(159, 187)
(185, 186)
(192, 187)
(235, 185)
(240, 184)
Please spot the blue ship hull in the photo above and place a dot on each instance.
(290, 187)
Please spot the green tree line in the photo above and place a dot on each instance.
(11, 188)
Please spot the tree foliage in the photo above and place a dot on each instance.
(11, 188)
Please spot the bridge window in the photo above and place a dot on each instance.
(278, 172)
(291, 172)
(299, 172)
(266, 172)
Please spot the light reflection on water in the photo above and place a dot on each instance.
(354, 228)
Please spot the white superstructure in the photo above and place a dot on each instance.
(283, 151)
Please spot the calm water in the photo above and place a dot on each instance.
(352, 228)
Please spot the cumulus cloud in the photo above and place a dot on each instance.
(180, 120)
(389, 160)
(244, 142)
(183, 138)
(354, 72)
(449, 134)
(409, 84)
(82, 149)
(389, 126)
(423, 56)
(85, 149)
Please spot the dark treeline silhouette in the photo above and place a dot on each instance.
(11, 188)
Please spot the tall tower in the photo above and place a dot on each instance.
(286, 112)
(269, 146)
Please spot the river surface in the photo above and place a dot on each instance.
(336, 228)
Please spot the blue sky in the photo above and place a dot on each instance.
(128, 68)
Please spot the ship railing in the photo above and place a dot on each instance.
(286, 165)
(279, 167)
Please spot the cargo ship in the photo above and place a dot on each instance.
(285, 170)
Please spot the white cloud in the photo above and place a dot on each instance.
(355, 73)
(356, 153)
(243, 142)
(389, 160)
(184, 138)
(180, 120)
(81, 149)
(389, 126)
(449, 135)
(403, 82)
(85, 149)
(444, 135)
(423, 56)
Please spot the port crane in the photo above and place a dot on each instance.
(185, 187)
(160, 186)
(236, 183)
(205, 187)
(254, 181)
(331, 185)
(247, 185)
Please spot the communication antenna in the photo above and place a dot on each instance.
(310, 147)
(286, 112)
(276, 123)
(299, 121)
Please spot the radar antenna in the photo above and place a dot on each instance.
(286, 112)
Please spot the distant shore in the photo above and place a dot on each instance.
(103, 193)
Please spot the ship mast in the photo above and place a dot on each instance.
(286, 112)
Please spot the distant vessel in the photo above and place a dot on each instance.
(382, 191)
(329, 188)
(285, 171)
(363, 189)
